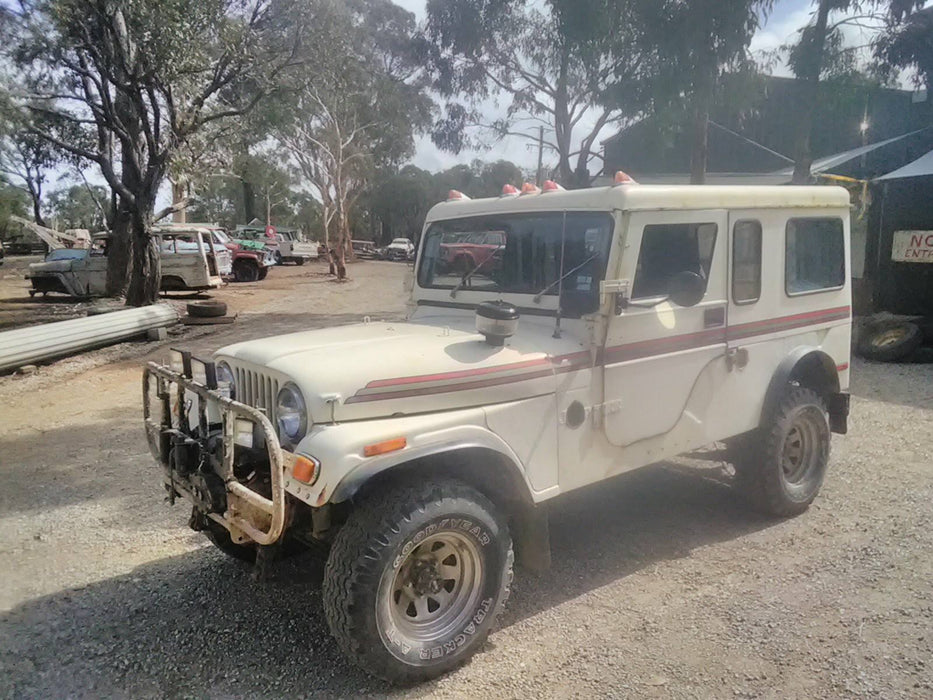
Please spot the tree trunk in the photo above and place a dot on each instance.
(118, 251)
(37, 210)
(704, 84)
(146, 271)
(179, 192)
(249, 201)
(809, 94)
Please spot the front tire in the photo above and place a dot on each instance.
(781, 466)
(244, 271)
(416, 579)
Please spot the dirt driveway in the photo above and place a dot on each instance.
(663, 585)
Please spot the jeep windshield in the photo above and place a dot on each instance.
(520, 254)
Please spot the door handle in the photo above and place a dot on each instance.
(714, 317)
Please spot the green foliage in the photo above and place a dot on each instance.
(401, 201)
(12, 201)
(907, 43)
(80, 206)
(555, 63)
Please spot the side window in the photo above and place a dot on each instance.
(814, 255)
(667, 249)
(746, 262)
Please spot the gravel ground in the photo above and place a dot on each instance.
(663, 584)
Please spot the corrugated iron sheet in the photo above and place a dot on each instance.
(33, 344)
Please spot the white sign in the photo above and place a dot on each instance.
(913, 246)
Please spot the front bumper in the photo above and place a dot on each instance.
(246, 513)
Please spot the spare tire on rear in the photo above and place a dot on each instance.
(890, 341)
(207, 309)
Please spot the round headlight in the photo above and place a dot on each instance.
(226, 379)
(290, 413)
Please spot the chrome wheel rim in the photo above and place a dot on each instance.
(801, 451)
(436, 588)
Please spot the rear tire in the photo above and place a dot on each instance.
(416, 579)
(780, 467)
(300, 261)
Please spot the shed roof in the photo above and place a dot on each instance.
(922, 167)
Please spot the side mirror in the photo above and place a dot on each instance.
(686, 288)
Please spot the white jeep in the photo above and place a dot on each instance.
(616, 327)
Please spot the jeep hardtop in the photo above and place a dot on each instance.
(610, 328)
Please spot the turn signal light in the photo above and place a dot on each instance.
(622, 178)
(304, 470)
(381, 448)
(530, 188)
(508, 190)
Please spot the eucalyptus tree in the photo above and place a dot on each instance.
(907, 43)
(574, 67)
(810, 57)
(702, 40)
(141, 77)
(357, 112)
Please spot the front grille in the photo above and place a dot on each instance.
(256, 390)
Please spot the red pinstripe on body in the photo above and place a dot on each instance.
(581, 360)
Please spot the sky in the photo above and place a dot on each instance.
(779, 28)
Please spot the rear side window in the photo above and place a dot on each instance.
(746, 262)
(667, 249)
(814, 256)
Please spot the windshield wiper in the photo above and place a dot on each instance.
(467, 276)
(537, 297)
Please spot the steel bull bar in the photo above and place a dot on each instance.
(244, 506)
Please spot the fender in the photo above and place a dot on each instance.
(468, 437)
(814, 368)
(339, 450)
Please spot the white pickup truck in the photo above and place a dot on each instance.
(613, 328)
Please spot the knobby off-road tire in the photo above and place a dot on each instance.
(780, 467)
(416, 579)
(263, 273)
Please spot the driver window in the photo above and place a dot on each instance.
(667, 249)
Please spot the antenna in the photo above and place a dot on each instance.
(560, 278)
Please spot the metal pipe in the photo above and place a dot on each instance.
(24, 346)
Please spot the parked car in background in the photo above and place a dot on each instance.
(364, 249)
(189, 261)
(463, 252)
(292, 248)
(252, 260)
(400, 249)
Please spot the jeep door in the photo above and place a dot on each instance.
(656, 352)
(90, 272)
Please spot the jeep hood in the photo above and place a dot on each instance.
(383, 369)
